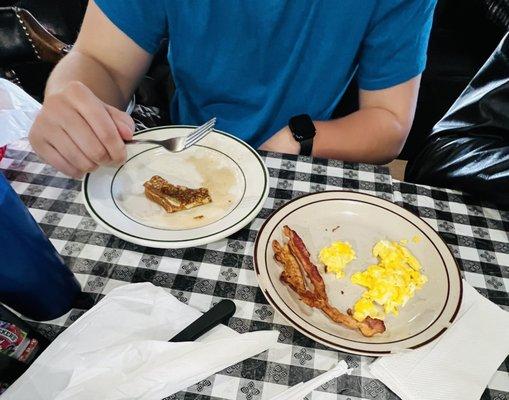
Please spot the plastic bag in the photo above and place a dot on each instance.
(17, 112)
(118, 350)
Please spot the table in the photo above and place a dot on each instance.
(476, 233)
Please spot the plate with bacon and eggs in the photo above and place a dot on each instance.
(357, 273)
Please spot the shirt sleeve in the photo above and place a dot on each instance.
(145, 22)
(394, 48)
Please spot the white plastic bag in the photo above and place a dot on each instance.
(17, 112)
(118, 350)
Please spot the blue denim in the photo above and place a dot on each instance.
(33, 277)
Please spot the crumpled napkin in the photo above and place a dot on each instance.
(17, 112)
(460, 363)
(118, 350)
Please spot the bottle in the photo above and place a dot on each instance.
(20, 345)
(34, 280)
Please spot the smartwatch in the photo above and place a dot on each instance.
(303, 131)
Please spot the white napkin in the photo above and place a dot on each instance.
(460, 363)
(17, 112)
(299, 391)
(118, 350)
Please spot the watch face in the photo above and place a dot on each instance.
(302, 127)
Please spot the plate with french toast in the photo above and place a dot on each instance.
(175, 200)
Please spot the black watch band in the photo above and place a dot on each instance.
(303, 131)
(306, 147)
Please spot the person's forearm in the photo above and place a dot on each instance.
(371, 135)
(80, 67)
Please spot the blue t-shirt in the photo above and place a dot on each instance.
(256, 63)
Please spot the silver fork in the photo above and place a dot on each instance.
(181, 143)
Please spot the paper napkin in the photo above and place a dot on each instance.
(118, 350)
(460, 363)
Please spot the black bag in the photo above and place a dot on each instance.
(468, 149)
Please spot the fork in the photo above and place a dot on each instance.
(178, 144)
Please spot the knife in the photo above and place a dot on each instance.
(218, 314)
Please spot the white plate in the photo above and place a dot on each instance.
(232, 171)
(362, 220)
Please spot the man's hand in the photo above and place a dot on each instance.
(76, 132)
(77, 129)
(282, 142)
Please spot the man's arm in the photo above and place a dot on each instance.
(374, 134)
(377, 132)
(80, 126)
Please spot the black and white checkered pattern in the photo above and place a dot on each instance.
(476, 233)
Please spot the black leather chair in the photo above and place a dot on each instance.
(36, 34)
(468, 149)
(21, 38)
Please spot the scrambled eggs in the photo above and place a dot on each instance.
(336, 256)
(390, 283)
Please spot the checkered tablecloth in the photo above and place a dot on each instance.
(476, 233)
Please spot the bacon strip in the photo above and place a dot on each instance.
(295, 258)
(301, 253)
(292, 274)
